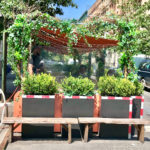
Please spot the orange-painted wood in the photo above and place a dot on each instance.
(58, 111)
(17, 110)
(96, 113)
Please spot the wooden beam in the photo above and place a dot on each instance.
(4, 137)
(69, 134)
(11, 134)
(114, 121)
(29, 120)
(86, 133)
(141, 133)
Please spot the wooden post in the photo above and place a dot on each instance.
(11, 134)
(141, 133)
(97, 110)
(4, 60)
(58, 111)
(6, 110)
(89, 65)
(69, 134)
(86, 133)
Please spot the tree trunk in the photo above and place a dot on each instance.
(125, 71)
(89, 65)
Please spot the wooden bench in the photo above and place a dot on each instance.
(4, 136)
(27, 120)
(138, 123)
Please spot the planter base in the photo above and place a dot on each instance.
(37, 131)
(114, 131)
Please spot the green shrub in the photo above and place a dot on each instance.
(78, 86)
(106, 85)
(112, 86)
(41, 84)
(139, 88)
(124, 88)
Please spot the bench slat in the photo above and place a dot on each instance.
(29, 120)
(114, 121)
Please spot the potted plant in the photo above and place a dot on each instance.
(78, 99)
(38, 101)
(117, 102)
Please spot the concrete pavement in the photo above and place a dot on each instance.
(77, 145)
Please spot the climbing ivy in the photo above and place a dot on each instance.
(22, 35)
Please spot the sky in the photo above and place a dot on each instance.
(76, 13)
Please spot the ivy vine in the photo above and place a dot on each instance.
(22, 34)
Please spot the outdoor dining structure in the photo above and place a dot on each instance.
(34, 115)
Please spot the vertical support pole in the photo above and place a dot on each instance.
(86, 133)
(6, 110)
(69, 134)
(89, 65)
(97, 110)
(58, 111)
(4, 59)
(11, 134)
(141, 133)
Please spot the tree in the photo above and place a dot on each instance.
(9, 9)
(138, 12)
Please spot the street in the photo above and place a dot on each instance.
(147, 104)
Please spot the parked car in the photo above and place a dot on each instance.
(144, 74)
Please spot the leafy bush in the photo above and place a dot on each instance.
(139, 88)
(107, 85)
(112, 86)
(78, 86)
(42, 84)
(124, 88)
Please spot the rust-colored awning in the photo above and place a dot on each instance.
(59, 42)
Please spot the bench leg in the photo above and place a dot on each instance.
(69, 134)
(10, 139)
(141, 133)
(86, 133)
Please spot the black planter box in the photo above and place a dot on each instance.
(37, 106)
(138, 104)
(114, 107)
(77, 107)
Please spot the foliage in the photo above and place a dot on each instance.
(137, 11)
(139, 88)
(78, 86)
(106, 85)
(125, 88)
(9, 9)
(21, 37)
(112, 86)
(124, 31)
(52, 7)
(41, 84)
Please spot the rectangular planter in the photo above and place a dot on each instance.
(37, 106)
(77, 106)
(115, 107)
(138, 109)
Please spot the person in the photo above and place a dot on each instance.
(34, 61)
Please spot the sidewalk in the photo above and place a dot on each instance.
(78, 145)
